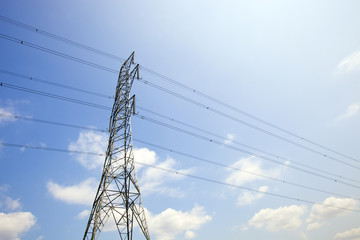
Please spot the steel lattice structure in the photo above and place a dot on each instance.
(118, 196)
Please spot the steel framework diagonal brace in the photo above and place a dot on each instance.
(118, 196)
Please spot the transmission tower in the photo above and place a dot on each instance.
(118, 196)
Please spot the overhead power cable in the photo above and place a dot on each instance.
(103, 130)
(62, 39)
(157, 146)
(49, 149)
(63, 55)
(29, 90)
(153, 145)
(183, 98)
(189, 133)
(231, 117)
(244, 151)
(244, 188)
(50, 122)
(180, 173)
(238, 143)
(173, 81)
(54, 84)
(144, 109)
(238, 169)
(222, 103)
(154, 113)
(223, 114)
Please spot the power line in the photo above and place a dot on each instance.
(59, 38)
(189, 155)
(184, 98)
(157, 114)
(159, 75)
(54, 84)
(51, 122)
(144, 109)
(56, 53)
(233, 141)
(55, 96)
(244, 188)
(49, 149)
(177, 83)
(188, 133)
(236, 168)
(181, 173)
(223, 114)
(243, 151)
(185, 132)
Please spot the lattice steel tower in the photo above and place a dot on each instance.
(118, 196)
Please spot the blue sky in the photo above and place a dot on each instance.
(294, 64)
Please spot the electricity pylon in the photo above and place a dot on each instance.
(118, 196)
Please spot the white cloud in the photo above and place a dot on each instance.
(248, 170)
(353, 233)
(350, 63)
(145, 156)
(154, 180)
(170, 223)
(250, 164)
(247, 197)
(83, 214)
(320, 213)
(229, 138)
(351, 111)
(82, 193)
(283, 218)
(14, 224)
(90, 141)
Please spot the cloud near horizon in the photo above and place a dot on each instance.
(353, 233)
(171, 223)
(82, 193)
(274, 220)
(155, 180)
(15, 223)
(320, 213)
(250, 170)
(252, 165)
